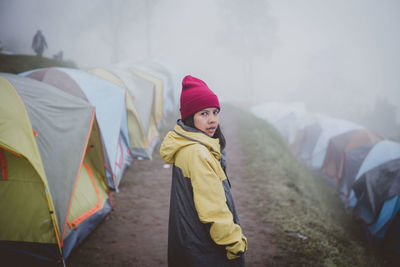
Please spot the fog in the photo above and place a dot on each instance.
(337, 56)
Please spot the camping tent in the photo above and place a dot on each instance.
(378, 201)
(139, 98)
(287, 118)
(308, 142)
(382, 152)
(158, 111)
(329, 128)
(338, 145)
(51, 186)
(352, 160)
(109, 101)
(170, 77)
(302, 122)
(287, 127)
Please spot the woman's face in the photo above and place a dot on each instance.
(206, 120)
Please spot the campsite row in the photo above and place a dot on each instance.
(364, 166)
(66, 137)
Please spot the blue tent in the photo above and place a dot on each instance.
(382, 152)
(378, 201)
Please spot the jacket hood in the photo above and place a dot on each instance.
(183, 136)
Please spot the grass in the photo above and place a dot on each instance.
(311, 225)
(20, 63)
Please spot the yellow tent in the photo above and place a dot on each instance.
(158, 94)
(52, 185)
(140, 97)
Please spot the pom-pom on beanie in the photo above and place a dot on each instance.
(196, 96)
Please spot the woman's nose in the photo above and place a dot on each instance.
(213, 118)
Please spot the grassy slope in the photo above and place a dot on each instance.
(297, 202)
(21, 63)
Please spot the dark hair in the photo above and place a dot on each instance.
(189, 121)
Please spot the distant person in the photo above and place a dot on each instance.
(1, 47)
(204, 228)
(39, 43)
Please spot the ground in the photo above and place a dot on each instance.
(135, 233)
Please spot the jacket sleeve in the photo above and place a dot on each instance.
(210, 202)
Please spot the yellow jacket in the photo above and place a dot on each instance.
(203, 220)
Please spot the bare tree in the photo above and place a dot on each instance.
(247, 31)
(149, 9)
(383, 119)
(121, 16)
(114, 14)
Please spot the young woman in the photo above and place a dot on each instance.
(204, 228)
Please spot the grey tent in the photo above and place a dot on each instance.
(65, 132)
(310, 138)
(352, 162)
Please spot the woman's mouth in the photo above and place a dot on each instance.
(211, 129)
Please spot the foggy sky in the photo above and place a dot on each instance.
(326, 53)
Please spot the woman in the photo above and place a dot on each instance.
(204, 228)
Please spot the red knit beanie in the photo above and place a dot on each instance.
(196, 96)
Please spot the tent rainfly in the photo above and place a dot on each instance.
(109, 101)
(381, 152)
(52, 179)
(139, 98)
(378, 203)
(338, 145)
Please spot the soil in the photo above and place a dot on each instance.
(135, 233)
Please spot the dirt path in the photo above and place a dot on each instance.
(257, 232)
(135, 233)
